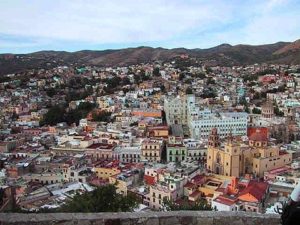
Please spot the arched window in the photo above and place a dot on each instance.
(218, 158)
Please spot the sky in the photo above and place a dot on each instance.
(72, 25)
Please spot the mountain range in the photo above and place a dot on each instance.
(224, 54)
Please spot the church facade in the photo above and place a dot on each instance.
(236, 158)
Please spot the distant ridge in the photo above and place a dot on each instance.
(224, 55)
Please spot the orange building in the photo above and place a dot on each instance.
(152, 113)
(158, 131)
(262, 130)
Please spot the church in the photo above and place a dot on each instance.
(237, 158)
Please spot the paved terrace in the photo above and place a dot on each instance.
(142, 218)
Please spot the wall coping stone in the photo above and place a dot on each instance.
(142, 218)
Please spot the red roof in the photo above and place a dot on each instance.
(195, 194)
(256, 189)
(225, 200)
(100, 145)
(189, 185)
(283, 153)
(149, 180)
(198, 179)
(258, 135)
(98, 182)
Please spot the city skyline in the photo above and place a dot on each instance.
(33, 25)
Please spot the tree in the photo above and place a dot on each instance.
(1, 195)
(156, 72)
(73, 116)
(144, 76)
(277, 111)
(14, 116)
(182, 64)
(54, 115)
(126, 81)
(102, 199)
(189, 90)
(113, 82)
(256, 111)
(247, 110)
(208, 70)
(86, 106)
(4, 79)
(78, 94)
(208, 93)
(188, 81)
(137, 79)
(57, 114)
(134, 124)
(243, 101)
(210, 81)
(200, 75)
(51, 92)
(181, 76)
(162, 88)
(102, 116)
(200, 204)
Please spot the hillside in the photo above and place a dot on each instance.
(225, 54)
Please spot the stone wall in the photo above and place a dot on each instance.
(142, 218)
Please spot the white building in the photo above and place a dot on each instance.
(176, 109)
(202, 122)
(222, 205)
(128, 154)
(184, 110)
(195, 150)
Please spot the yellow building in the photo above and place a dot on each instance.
(151, 150)
(236, 159)
(106, 172)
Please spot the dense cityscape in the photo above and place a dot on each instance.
(165, 135)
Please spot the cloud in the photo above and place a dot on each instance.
(111, 21)
(187, 23)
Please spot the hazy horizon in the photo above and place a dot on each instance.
(107, 49)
